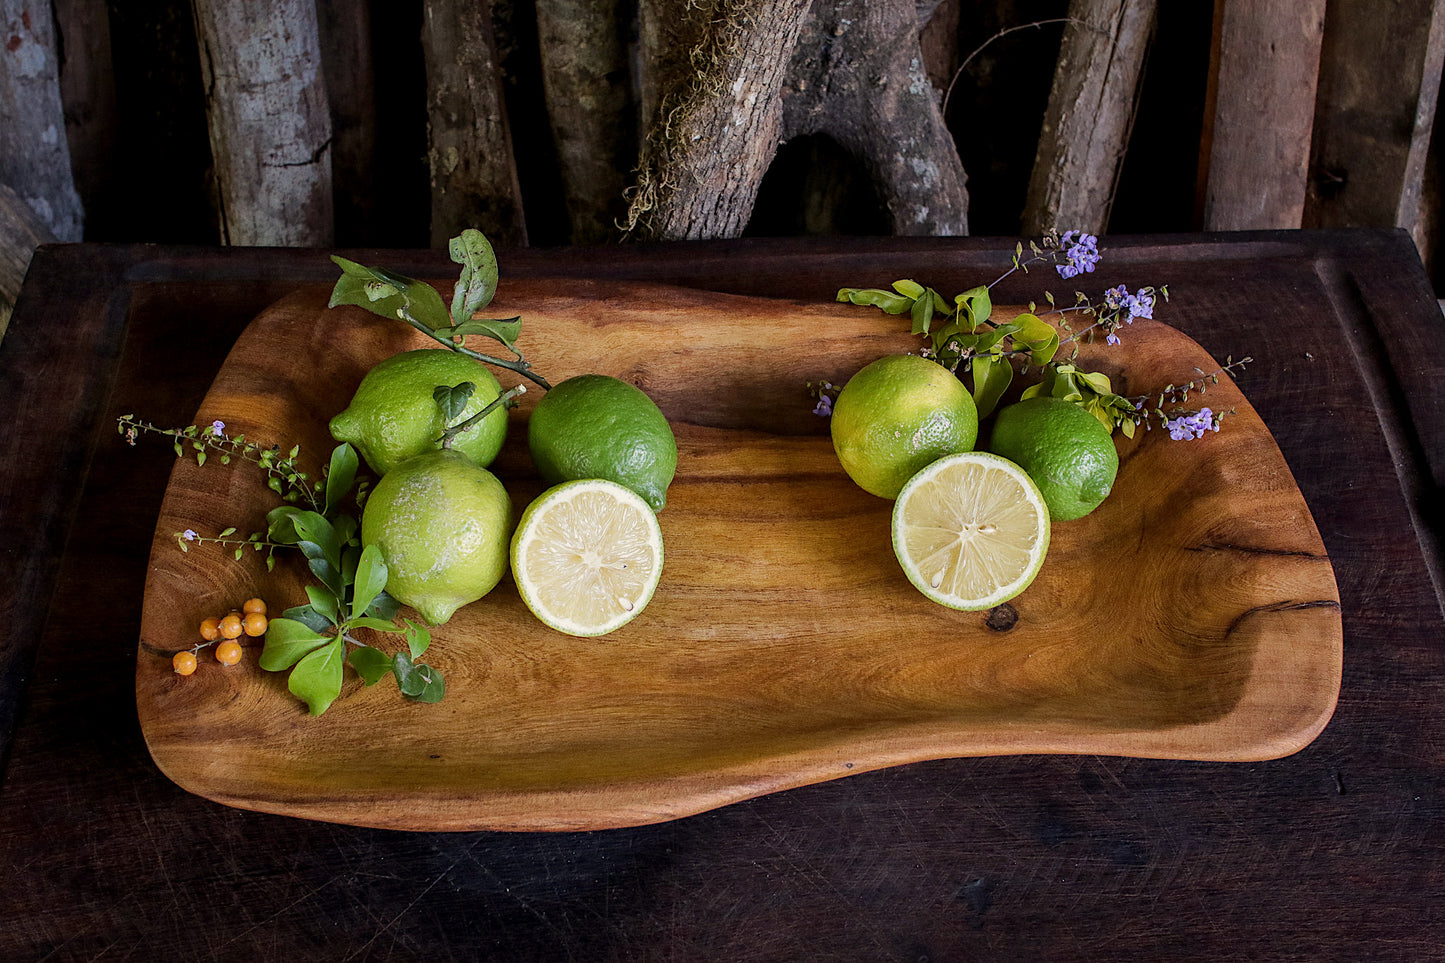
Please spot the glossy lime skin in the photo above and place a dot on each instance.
(897, 416)
(597, 426)
(393, 416)
(444, 529)
(1068, 453)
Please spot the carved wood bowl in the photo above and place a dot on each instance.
(1194, 615)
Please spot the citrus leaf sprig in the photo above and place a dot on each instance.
(417, 303)
(964, 337)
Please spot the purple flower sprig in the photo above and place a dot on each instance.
(1187, 427)
(826, 393)
(284, 475)
(1081, 254)
(1184, 424)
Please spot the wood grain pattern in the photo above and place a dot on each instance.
(1194, 615)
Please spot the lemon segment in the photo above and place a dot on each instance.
(587, 556)
(970, 530)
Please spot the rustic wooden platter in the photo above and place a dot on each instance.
(1194, 615)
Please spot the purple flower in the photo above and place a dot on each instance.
(1114, 298)
(1081, 253)
(189, 535)
(1189, 427)
(218, 427)
(1140, 305)
(824, 407)
(1112, 338)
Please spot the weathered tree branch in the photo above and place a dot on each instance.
(21, 232)
(473, 171)
(716, 116)
(34, 152)
(270, 124)
(858, 76)
(585, 76)
(1090, 115)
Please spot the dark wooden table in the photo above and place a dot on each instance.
(1337, 852)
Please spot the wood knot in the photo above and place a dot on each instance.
(1001, 618)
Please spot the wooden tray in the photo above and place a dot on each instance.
(1194, 615)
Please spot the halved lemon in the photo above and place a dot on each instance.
(587, 556)
(970, 530)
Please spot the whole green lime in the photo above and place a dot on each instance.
(395, 416)
(597, 426)
(444, 527)
(1066, 451)
(897, 416)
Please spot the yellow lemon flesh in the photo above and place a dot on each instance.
(587, 556)
(971, 530)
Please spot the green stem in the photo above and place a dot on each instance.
(501, 400)
(521, 366)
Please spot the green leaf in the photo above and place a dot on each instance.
(373, 623)
(909, 289)
(1042, 352)
(1099, 382)
(384, 607)
(341, 475)
(417, 681)
(280, 524)
(418, 637)
(887, 301)
(371, 576)
(287, 641)
(317, 529)
(922, 313)
(974, 307)
(228, 531)
(478, 281)
(412, 301)
(316, 680)
(452, 400)
(371, 664)
(309, 617)
(323, 603)
(433, 689)
(505, 330)
(992, 374)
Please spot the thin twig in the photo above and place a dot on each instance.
(998, 36)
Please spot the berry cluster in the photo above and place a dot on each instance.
(224, 632)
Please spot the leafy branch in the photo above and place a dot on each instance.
(417, 303)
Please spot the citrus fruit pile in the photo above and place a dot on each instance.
(970, 528)
(586, 554)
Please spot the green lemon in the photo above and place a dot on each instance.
(596, 426)
(1066, 451)
(898, 415)
(443, 526)
(394, 416)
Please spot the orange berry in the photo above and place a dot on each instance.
(254, 605)
(231, 626)
(254, 624)
(228, 653)
(211, 629)
(184, 663)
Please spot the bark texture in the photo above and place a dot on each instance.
(713, 78)
(726, 84)
(269, 120)
(858, 77)
(473, 174)
(34, 150)
(21, 232)
(1372, 127)
(345, 40)
(87, 89)
(1261, 110)
(1089, 117)
(586, 79)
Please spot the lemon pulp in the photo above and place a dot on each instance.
(587, 556)
(971, 530)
